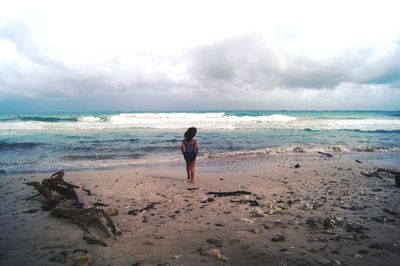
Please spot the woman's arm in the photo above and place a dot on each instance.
(183, 146)
(196, 146)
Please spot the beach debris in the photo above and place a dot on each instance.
(216, 253)
(307, 207)
(314, 222)
(85, 260)
(329, 262)
(326, 154)
(357, 228)
(112, 212)
(3, 172)
(258, 230)
(329, 222)
(87, 191)
(99, 204)
(246, 201)
(31, 211)
(147, 207)
(89, 216)
(229, 193)
(192, 188)
(177, 257)
(278, 238)
(60, 257)
(258, 212)
(247, 220)
(358, 161)
(208, 200)
(297, 166)
(215, 241)
(299, 149)
(163, 264)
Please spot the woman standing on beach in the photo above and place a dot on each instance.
(190, 149)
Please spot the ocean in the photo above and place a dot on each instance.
(45, 142)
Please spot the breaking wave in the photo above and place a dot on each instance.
(17, 145)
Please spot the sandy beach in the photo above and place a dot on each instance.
(322, 212)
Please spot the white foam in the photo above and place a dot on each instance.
(89, 119)
(205, 121)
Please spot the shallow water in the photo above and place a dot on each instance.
(46, 142)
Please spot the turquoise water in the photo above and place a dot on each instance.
(49, 141)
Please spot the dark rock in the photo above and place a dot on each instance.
(297, 166)
(278, 238)
(3, 172)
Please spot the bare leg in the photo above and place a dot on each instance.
(192, 166)
(188, 170)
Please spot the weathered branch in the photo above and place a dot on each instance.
(324, 153)
(87, 217)
(229, 193)
(384, 170)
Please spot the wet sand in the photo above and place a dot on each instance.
(323, 212)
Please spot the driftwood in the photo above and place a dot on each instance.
(56, 183)
(91, 216)
(378, 172)
(229, 193)
(324, 153)
(56, 191)
(52, 201)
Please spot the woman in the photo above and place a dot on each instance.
(190, 149)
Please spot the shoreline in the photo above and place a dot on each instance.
(207, 161)
(184, 226)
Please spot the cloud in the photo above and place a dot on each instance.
(250, 62)
(223, 61)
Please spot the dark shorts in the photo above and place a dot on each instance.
(189, 156)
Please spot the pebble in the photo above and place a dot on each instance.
(216, 253)
(258, 212)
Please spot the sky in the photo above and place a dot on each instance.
(199, 55)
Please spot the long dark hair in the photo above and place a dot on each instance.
(190, 133)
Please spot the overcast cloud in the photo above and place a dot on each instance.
(135, 56)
